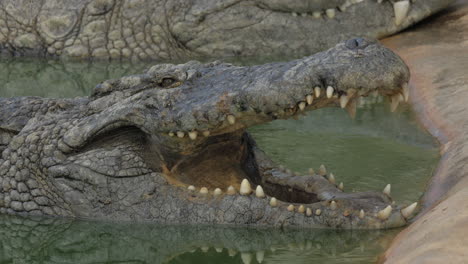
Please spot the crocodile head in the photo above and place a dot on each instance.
(171, 146)
(288, 27)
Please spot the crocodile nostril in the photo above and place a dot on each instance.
(356, 43)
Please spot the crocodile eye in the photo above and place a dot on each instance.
(167, 82)
(356, 43)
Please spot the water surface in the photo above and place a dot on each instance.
(366, 153)
(31, 240)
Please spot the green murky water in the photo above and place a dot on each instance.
(376, 148)
(65, 241)
(366, 153)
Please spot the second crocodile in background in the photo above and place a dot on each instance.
(170, 145)
(179, 29)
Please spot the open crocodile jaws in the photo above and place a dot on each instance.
(171, 146)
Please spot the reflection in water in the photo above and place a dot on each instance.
(41, 240)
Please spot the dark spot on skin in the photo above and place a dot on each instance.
(167, 82)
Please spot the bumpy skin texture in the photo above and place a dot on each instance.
(168, 30)
(113, 155)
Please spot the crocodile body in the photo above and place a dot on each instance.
(170, 145)
(180, 29)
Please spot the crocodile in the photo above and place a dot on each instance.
(172, 30)
(170, 145)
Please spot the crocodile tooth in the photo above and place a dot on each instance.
(260, 255)
(331, 178)
(317, 91)
(406, 212)
(316, 14)
(401, 98)
(246, 257)
(318, 212)
(311, 171)
(385, 213)
(302, 106)
(395, 102)
(217, 192)
(231, 190)
(191, 188)
(387, 190)
(362, 214)
(309, 99)
(171, 134)
(245, 188)
(333, 205)
(206, 133)
(205, 249)
(193, 135)
(401, 9)
(322, 170)
(291, 208)
(330, 91)
(308, 212)
(330, 13)
(231, 119)
(351, 108)
(405, 90)
(301, 209)
(341, 186)
(204, 190)
(218, 249)
(259, 192)
(273, 202)
(180, 134)
(303, 14)
(294, 14)
(344, 99)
